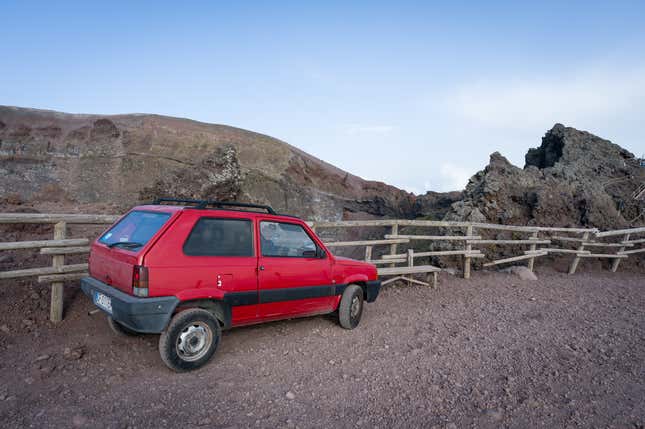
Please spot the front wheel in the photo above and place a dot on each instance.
(350, 308)
(190, 340)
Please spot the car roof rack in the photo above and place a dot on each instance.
(203, 204)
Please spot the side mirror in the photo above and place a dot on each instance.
(309, 253)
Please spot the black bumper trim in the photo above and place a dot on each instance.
(144, 315)
(372, 287)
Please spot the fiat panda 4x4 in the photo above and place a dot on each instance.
(187, 269)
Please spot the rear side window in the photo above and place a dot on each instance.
(135, 229)
(220, 237)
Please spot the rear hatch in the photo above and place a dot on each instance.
(115, 253)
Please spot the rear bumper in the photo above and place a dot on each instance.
(144, 315)
(372, 288)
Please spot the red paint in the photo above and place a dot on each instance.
(173, 273)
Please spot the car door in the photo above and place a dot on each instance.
(212, 254)
(294, 274)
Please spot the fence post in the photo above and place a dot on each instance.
(469, 247)
(56, 307)
(576, 260)
(410, 262)
(614, 265)
(368, 253)
(533, 249)
(395, 231)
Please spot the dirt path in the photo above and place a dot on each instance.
(494, 351)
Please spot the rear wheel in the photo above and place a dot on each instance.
(350, 308)
(190, 340)
(120, 329)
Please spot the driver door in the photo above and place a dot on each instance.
(294, 275)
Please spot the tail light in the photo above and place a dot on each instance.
(140, 281)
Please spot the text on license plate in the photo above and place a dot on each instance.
(102, 301)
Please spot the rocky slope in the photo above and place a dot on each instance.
(573, 178)
(127, 159)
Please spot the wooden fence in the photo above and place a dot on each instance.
(58, 247)
(469, 242)
(466, 240)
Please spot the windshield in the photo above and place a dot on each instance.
(134, 230)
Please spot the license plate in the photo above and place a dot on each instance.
(103, 301)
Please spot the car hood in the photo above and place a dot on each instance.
(349, 261)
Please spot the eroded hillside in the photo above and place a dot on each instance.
(127, 159)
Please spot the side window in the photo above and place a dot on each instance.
(220, 237)
(285, 239)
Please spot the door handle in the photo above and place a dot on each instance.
(261, 268)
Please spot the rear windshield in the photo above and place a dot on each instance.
(134, 230)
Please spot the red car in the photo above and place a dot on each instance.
(188, 269)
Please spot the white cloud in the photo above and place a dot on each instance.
(522, 103)
(454, 177)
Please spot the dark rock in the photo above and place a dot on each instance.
(104, 128)
(6, 258)
(574, 178)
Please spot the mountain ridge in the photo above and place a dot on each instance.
(127, 158)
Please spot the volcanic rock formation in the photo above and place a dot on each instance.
(574, 178)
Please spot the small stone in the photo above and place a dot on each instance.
(451, 271)
(27, 322)
(73, 354)
(522, 272)
(5, 329)
(48, 369)
(34, 296)
(42, 358)
(496, 415)
(532, 403)
(79, 420)
(290, 396)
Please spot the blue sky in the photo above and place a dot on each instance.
(415, 94)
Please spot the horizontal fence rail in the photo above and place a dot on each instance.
(467, 240)
(468, 237)
(57, 248)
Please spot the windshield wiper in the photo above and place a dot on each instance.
(125, 244)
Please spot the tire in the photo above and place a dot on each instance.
(119, 329)
(350, 308)
(190, 340)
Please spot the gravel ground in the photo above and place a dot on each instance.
(494, 351)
